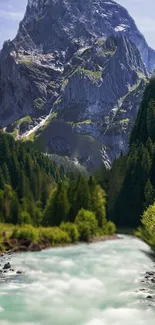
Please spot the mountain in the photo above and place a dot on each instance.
(73, 78)
(61, 25)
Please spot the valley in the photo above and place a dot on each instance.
(77, 167)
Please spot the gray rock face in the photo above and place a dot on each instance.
(101, 92)
(24, 84)
(85, 61)
(62, 25)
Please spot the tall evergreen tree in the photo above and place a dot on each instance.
(14, 210)
(150, 119)
(82, 195)
(98, 199)
(2, 181)
(6, 174)
(149, 194)
(57, 207)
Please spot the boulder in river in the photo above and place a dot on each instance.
(19, 272)
(7, 266)
(150, 273)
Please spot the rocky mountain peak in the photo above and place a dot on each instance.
(64, 25)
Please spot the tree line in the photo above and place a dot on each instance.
(130, 184)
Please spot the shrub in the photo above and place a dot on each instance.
(24, 218)
(148, 219)
(145, 235)
(71, 230)
(110, 228)
(26, 232)
(147, 232)
(87, 224)
(2, 247)
(54, 235)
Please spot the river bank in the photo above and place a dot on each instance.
(14, 245)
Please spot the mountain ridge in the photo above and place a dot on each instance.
(92, 19)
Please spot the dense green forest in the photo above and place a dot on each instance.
(130, 184)
(34, 191)
(26, 180)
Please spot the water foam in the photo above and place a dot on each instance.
(94, 284)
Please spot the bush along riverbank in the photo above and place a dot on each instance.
(28, 238)
(147, 231)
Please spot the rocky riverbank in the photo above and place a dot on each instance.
(16, 246)
(7, 271)
(149, 279)
(24, 245)
(104, 238)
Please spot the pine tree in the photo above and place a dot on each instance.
(48, 219)
(44, 191)
(61, 205)
(22, 189)
(2, 182)
(72, 187)
(5, 150)
(6, 174)
(28, 166)
(99, 206)
(82, 195)
(150, 147)
(151, 119)
(91, 184)
(14, 171)
(8, 194)
(146, 164)
(149, 194)
(2, 209)
(57, 207)
(14, 210)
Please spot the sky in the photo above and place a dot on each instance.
(143, 12)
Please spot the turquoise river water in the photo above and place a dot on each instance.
(97, 284)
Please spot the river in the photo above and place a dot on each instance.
(97, 284)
